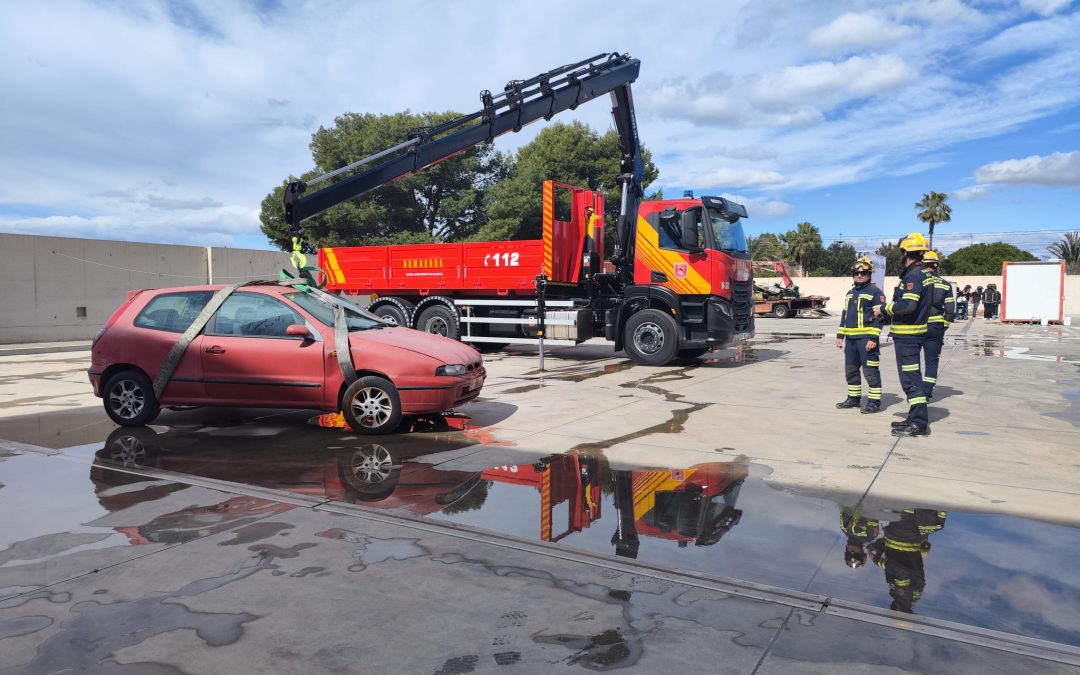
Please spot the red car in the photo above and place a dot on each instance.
(273, 346)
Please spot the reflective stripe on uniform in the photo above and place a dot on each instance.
(902, 545)
(909, 329)
(908, 367)
(932, 380)
(917, 400)
(914, 297)
(855, 332)
(873, 364)
(874, 394)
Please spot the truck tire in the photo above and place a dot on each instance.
(391, 314)
(651, 338)
(439, 320)
(781, 311)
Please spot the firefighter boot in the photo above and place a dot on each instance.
(912, 429)
(871, 407)
(848, 403)
(899, 424)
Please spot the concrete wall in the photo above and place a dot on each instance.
(836, 287)
(57, 288)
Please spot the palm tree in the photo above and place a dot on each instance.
(801, 242)
(1068, 249)
(934, 211)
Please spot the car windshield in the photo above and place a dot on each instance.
(355, 318)
(728, 236)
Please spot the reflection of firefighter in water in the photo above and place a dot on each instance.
(901, 551)
(695, 504)
(860, 532)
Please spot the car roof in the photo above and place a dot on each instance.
(267, 286)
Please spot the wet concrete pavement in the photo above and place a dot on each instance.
(597, 515)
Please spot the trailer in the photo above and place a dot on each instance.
(783, 301)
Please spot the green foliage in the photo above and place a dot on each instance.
(803, 246)
(569, 153)
(838, 259)
(765, 246)
(444, 202)
(934, 211)
(1068, 249)
(891, 252)
(983, 259)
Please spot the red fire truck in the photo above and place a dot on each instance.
(679, 282)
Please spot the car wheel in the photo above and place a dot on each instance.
(440, 320)
(651, 338)
(131, 448)
(781, 311)
(129, 399)
(370, 473)
(392, 314)
(371, 405)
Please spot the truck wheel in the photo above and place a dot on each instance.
(129, 399)
(651, 338)
(781, 311)
(440, 320)
(391, 314)
(371, 405)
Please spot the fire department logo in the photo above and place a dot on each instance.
(910, 286)
(680, 270)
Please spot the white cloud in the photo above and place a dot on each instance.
(732, 177)
(1045, 7)
(761, 208)
(971, 193)
(857, 31)
(1060, 168)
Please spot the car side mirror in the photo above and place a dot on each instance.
(298, 330)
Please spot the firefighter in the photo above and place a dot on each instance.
(909, 312)
(942, 313)
(858, 336)
(901, 551)
(860, 532)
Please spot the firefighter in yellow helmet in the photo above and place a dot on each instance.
(859, 335)
(942, 313)
(910, 313)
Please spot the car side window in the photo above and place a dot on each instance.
(252, 315)
(173, 312)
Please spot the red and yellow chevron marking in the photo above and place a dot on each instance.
(335, 269)
(647, 483)
(545, 504)
(660, 260)
(549, 219)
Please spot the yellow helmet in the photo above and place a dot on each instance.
(914, 242)
(863, 264)
(931, 257)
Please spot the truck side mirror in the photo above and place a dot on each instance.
(690, 232)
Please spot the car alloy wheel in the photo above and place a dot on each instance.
(127, 398)
(371, 405)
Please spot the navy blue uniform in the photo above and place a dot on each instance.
(858, 325)
(901, 553)
(910, 312)
(942, 313)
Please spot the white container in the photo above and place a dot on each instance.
(1067, 321)
(1044, 321)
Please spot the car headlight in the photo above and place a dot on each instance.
(452, 369)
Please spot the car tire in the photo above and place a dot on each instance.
(129, 399)
(392, 314)
(369, 473)
(438, 320)
(131, 448)
(371, 405)
(651, 338)
(781, 311)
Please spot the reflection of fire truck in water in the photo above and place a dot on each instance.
(695, 504)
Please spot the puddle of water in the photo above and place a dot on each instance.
(719, 518)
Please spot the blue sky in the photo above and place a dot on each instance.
(170, 121)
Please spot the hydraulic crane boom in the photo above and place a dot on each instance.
(521, 102)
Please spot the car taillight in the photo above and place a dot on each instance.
(97, 337)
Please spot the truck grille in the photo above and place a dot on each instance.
(742, 296)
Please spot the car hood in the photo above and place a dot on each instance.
(435, 346)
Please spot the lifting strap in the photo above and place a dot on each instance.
(305, 284)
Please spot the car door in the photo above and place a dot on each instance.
(248, 359)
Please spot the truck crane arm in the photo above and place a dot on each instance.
(521, 102)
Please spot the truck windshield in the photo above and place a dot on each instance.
(727, 236)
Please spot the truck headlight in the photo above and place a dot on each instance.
(452, 369)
